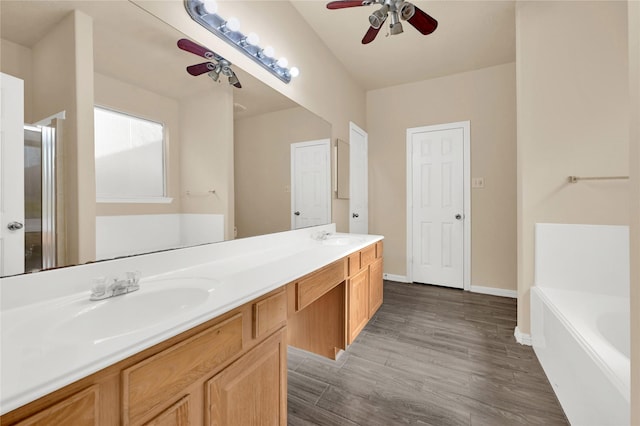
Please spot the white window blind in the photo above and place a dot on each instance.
(129, 156)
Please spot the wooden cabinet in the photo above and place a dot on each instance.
(230, 370)
(156, 381)
(253, 390)
(364, 288)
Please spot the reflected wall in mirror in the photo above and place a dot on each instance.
(76, 55)
(342, 169)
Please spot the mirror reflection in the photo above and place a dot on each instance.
(126, 153)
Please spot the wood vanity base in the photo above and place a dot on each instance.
(231, 370)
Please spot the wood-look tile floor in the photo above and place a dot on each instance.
(430, 356)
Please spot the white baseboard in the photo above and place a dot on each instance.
(522, 338)
(494, 291)
(397, 278)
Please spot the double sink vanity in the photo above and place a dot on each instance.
(203, 341)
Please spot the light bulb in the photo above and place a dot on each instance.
(253, 39)
(233, 24)
(283, 62)
(294, 71)
(269, 51)
(210, 6)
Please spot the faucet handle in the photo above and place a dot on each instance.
(132, 278)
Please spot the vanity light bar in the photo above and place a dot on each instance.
(204, 13)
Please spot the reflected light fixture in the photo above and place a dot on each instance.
(205, 13)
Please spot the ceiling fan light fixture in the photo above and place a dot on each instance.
(407, 10)
(214, 73)
(377, 18)
(233, 80)
(396, 26)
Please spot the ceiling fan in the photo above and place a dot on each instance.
(398, 9)
(217, 64)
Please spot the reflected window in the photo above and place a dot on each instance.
(129, 155)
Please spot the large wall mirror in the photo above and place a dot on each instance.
(144, 156)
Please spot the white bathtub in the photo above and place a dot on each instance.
(580, 325)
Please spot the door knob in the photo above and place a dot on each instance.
(355, 215)
(14, 226)
(296, 213)
(459, 216)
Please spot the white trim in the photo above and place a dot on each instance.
(47, 120)
(522, 338)
(466, 130)
(327, 144)
(144, 200)
(396, 278)
(503, 292)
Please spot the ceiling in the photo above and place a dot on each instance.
(470, 35)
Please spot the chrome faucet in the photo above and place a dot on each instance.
(104, 287)
(321, 235)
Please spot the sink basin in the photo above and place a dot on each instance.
(157, 300)
(341, 241)
(114, 317)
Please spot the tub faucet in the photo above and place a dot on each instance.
(104, 287)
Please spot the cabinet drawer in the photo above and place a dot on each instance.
(367, 255)
(318, 283)
(354, 263)
(80, 409)
(156, 380)
(269, 314)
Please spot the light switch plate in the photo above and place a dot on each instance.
(477, 182)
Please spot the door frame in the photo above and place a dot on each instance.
(466, 129)
(327, 146)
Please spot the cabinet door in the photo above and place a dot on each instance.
(358, 303)
(253, 390)
(375, 286)
(179, 414)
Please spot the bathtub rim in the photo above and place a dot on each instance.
(623, 386)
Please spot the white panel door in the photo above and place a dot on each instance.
(310, 183)
(438, 207)
(11, 175)
(358, 180)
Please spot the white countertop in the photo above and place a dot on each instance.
(48, 344)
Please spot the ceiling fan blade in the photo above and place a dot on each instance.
(341, 4)
(370, 35)
(202, 68)
(196, 49)
(372, 32)
(423, 22)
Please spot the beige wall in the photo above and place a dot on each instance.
(573, 119)
(206, 158)
(634, 163)
(16, 61)
(324, 87)
(63, 81)
(486, 98)
(263, 167)
(126, 98)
